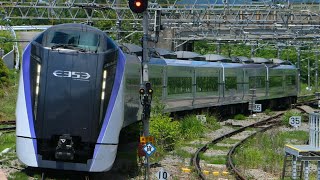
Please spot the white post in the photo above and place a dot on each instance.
(294, 167)
(306, 170)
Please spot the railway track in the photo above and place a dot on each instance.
(9, 126)
(260, 126)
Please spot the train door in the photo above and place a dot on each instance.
(257, 79)
(232, 84)
(276, 83)
(179, 87)
(207, 86)
(290, 82)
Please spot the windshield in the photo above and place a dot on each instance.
(70, 38)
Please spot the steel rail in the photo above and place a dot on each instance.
(8, 122)
(230, 164)
(196, 158)
(11, 128)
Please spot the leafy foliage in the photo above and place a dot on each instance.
(8, 96)
(4, 74)
(166, 131)
(169, 132)
(191, 127)
(212, 122)
(5, 41)
(269, 112)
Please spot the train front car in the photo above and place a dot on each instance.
(70, 102)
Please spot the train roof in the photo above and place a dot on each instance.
(131, 49)
(166, 53)
(241, 59)
(217, 57)
(280, 61)
(189, 63)
(184, 55)
(187, 58)
(260, 60)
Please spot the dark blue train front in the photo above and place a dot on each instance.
(70, 103)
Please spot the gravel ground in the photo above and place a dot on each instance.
(259, 174)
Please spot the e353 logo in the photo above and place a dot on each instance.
(81, 76)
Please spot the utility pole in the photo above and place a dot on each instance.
(141, 6)
(316, 78)
(145, 78)
(309, 74)
(299, 68)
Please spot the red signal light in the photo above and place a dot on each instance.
(138, 6)
(138, 3)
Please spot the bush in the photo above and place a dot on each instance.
(165, 131)
(239, 117)
(191, 127)
(157, 107)
(4, 74)
(212, 122)
(6, 46)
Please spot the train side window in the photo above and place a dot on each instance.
(207, 84)
(275, 81)
(39, 38)
(290, 80)
(257, 82)
(179, 85)
(110, 44)
(156, 86)
(231, 83)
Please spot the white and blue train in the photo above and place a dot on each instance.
(78, 89)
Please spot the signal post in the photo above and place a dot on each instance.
(140, 6)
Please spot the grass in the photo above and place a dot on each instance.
(196, 145)
(216, 147)
(239, 117)
(221, 159)
(229, 141)
(171, 134)
(265, 151)
(18, 175)
(191, 128)
(7, 140)
(269, 112)
(182, 153)
(9, 98)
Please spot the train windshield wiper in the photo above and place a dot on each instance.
(68, 46)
